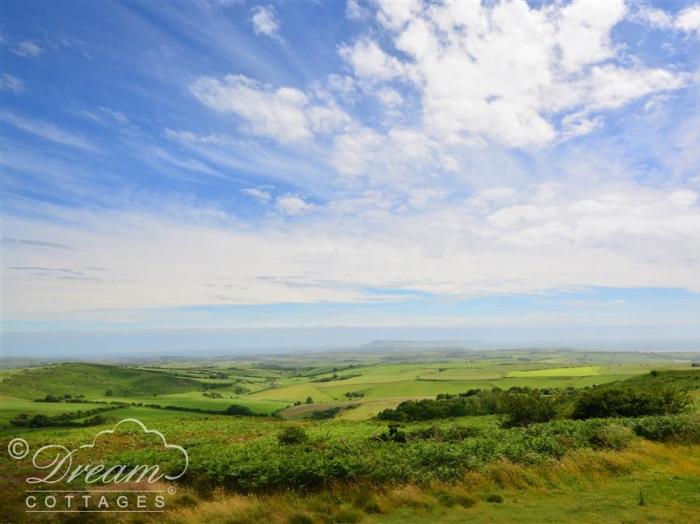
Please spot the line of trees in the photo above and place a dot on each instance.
(524, 406)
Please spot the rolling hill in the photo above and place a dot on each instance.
(92, 380)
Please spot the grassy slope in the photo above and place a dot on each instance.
(92, 380)
(667, 476)
(687, 380)
(585, 487)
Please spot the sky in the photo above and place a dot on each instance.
(344, 171)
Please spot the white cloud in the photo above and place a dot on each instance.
(27, 49)
(117, 116)
(654, 17)
(259, 194)
(293, 205)
(459, 58)
(688, 20)
(341, 85)
(370, 62)
(389, 97)
(11, 83)
(610, 236)
(355, 11)
(683, 199)
(353, 151)
(46, 130)
(264, 20)
(285, 114)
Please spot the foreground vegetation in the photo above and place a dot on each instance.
(479, 454)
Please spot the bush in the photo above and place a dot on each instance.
(664, 429)
(292, 435)
(524, 409)
(495, 499)
(477, 402)
(300, 518)
(347, 515)
(39, 421)
(325, 413)
(606, 402)
(371, 507)
(237, 409)
(94, 421)
(612, 436)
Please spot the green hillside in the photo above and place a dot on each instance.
(686, 379)
(92, 380)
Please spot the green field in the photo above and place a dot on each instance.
(576, 371)
(273, 385)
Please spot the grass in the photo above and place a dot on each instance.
(270, 390)
(541, 474)
(196, 400)
(11, 407)
(91, 380)
(687, 380)
(586, 487)
(579, 371)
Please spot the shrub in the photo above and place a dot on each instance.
(393, 435)
(524, 409)
(292, 435)
(237, 409)
(444, 434)
(605, 402)
(94, 421)
(39, 421)
(325, 413)
(612, 436)
(495, 499)
(347, 515)
(371, 507)
(669, 428)
(473, 403)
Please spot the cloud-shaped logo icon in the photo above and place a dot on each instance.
(147, 432)
(58, 461)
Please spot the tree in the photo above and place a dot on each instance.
(309, 400)
(292, 435)
(527, 408)
(605, 402)
(237, 409)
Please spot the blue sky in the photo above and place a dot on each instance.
(365, 165)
